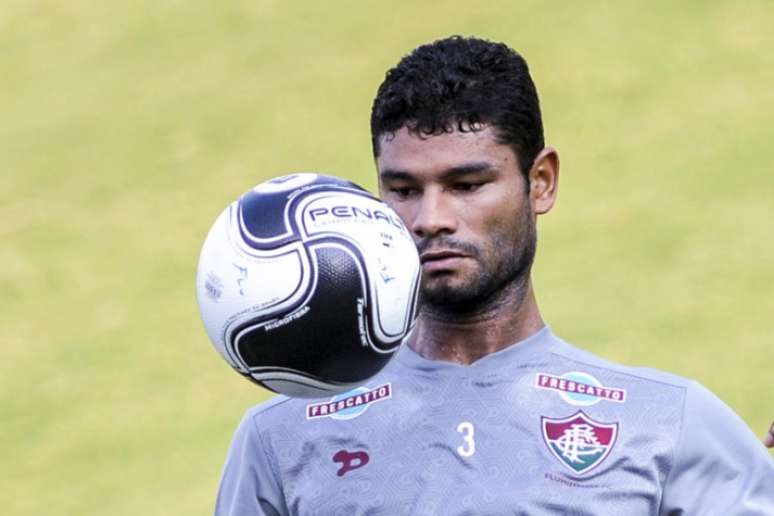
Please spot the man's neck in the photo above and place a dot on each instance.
(465, 338)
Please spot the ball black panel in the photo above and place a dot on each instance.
(264, 214)
(325, 342)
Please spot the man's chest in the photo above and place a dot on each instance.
(503, 448)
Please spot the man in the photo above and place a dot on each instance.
(488, 411)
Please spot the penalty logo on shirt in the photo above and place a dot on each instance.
(579, 442)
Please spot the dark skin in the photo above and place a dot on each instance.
(470, 211)
(769, 439)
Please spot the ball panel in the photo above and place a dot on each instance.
(327, 336)
(232, 285)
(262, 218)
(396, 276)
(298, 386)
(391, 260)
(287, 183)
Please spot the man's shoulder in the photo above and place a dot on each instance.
(272, 411)
(656, 378)
(273, 407)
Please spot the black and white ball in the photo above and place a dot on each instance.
(308, 284)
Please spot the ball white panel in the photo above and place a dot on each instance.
(232, 285)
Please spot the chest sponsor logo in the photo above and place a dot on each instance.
(577, 388)
(350, 404)
(349, 461)
(578, 442)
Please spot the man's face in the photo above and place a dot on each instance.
(464, 199)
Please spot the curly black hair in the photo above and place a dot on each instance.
(464, 84)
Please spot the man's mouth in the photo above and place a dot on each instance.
(440, 254)
(441, 260)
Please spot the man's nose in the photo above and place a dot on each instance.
(435, 215)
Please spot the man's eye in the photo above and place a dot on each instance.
(402, 191)
(467, 187)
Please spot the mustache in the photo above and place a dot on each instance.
(446, 242)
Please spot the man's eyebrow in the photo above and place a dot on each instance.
(394, 175)
(465, 169)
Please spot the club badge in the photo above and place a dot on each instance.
(579, 442)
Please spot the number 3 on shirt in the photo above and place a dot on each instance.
(468, 432)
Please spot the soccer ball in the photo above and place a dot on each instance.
(307, 285)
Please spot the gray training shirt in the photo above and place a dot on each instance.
(540, 427)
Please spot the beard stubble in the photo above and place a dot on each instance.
(502, 275)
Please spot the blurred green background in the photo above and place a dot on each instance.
(126, 127)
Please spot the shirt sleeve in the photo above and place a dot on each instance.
(249, 486)
(720, 467)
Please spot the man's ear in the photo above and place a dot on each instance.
(544, 181)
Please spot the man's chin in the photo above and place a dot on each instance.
(450, 296)
(455, 296)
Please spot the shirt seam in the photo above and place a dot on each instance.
(271, 460)
(676, 449)
(620, 372)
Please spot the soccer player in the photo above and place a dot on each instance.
(485, 411)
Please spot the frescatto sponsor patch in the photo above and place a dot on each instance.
(350, 404)
(577, 388)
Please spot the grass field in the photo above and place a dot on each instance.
(127, 126)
